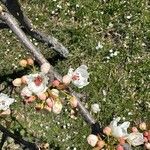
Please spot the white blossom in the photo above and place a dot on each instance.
(135, 139)
(95, 108)
(37, 83)
(119, 130)
(79, 76)
(5, 101)
(26, 92)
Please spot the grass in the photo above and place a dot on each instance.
(121, 26)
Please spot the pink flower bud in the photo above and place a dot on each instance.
(23, 63)
(73, 102)
(119, 147)
(24, 79)
(100, 144)
(56, 83)
(145, 140)
(142, 126)
(42, 96)
(145, 133)
(92, 140)
(134, 129)
(17, 82)
(121, 140)
(107, 131)
(147, 146)
(30, 61)
(49, 102)
(66, 79)
(45, 68)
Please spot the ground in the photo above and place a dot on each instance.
(112, 39)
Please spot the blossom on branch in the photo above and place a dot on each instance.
(79, 77)
(37, 83)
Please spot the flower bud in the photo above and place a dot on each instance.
(23, 63)
(92, 140)
(100, 144)
(42, 96)
(24, 79)
(66, 79)
(73, 102)
(145, 139)
(121, 140)
(142, 126)
(134, 129)
(147, 146)
(107, 131)
(57, 107)
(30, 61)
(45, 67)
(145, 134)
(56, 83)
(17, 82)
(49, 102)
(119, 147)
(54, 93)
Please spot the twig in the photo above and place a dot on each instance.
(14, 8)
(11, 22)
(31, 146)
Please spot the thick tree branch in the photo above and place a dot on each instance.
(11, 22)
(14, 8)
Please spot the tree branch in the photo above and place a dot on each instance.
(31, 146)
(11, 22)
(14, 8)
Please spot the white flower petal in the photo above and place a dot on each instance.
(5, 101)
(135, 139)
(40, 88)
(95, 108)
(119, 130)
(81, 74)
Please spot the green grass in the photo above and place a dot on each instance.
(119, 25)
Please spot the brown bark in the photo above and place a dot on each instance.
(14, 8)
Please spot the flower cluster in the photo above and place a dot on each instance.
(36, 87)
(119, 132)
